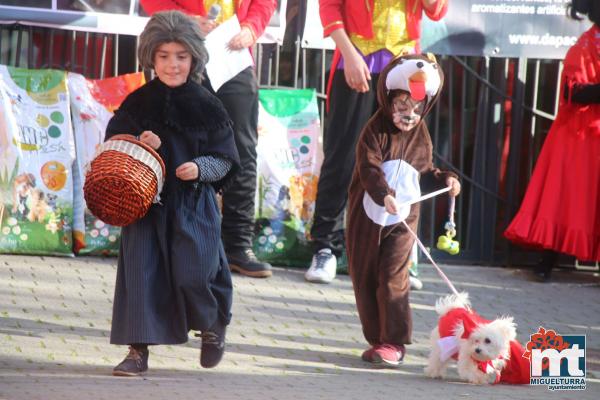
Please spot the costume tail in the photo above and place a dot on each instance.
(450, 302)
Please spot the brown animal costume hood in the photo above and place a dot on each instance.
(381, 141)
(417, 74)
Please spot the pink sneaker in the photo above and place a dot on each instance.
(369, 355)
(389, 355)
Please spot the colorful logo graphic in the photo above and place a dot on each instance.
(556, 361)
(54, 175)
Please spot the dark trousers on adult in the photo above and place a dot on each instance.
(240, 98)
(349, 111)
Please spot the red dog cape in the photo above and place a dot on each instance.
(516, 370)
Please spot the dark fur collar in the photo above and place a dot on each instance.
(186, 107)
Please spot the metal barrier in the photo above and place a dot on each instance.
(95, 55)
(473, 134)
(488, 127)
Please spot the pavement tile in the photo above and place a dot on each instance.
(288, 340)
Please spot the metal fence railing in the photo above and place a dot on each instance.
(488, 127)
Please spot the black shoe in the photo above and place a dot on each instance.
(135, 364)
(245, 262)
(542, 271)
(213, 345)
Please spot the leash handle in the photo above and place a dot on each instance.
(450, 226)
(424, 197)
(451, 206)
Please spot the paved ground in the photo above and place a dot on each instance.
(288, 339)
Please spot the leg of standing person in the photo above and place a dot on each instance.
(240, 98)
(140, 260)
(543, 269)
(362, 268)
(380, 278)
(394, 284)
(348, 113)
(199, 270)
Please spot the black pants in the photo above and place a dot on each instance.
(240, 98)
(349, 111)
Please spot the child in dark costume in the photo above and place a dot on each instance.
(393, 158)
(172, 274)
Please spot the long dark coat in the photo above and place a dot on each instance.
(172, 274)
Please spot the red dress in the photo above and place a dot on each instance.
(561, 208)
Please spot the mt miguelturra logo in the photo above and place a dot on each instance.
(557, 361)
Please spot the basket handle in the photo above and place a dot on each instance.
(130, 138)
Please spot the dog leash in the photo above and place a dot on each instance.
(424, 197)
(424, 250)
(452, 201)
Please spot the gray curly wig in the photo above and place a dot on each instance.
(173, 26)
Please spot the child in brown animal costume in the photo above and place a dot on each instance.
(393, 159)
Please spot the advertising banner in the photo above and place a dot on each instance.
(503, 28)
(276, 28)
(124, 17)
(496, 28)
(92, 105)
(36, 154)
(107, 16)
(289, 161)
(313, 29)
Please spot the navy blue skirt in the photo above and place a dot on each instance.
(172, 274)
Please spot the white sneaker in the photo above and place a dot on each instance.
(415, 283)
(322, 268)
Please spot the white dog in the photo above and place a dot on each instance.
(481, 347)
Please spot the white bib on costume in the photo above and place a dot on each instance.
(404, 179)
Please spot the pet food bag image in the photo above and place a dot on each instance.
(289, 161)
(92, 105)
(36, 156)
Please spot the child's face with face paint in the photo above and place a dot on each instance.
(406, 111)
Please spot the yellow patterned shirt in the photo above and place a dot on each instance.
(228, 8)
(389, 29)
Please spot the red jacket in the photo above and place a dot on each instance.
(356, 16)
(254, 14)
(469, 319)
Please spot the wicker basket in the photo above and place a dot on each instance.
(123, 180)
